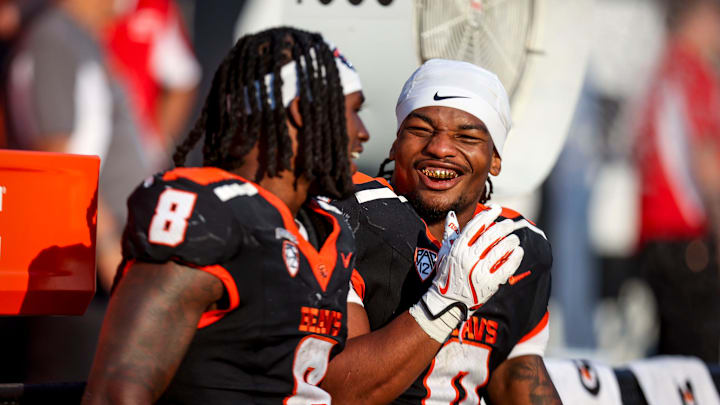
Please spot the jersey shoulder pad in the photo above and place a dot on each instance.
(181, 215)
(327, 206)
(377, 192)
(508, 213)
(345, 220)
(532, 239)
(521, 303)
(368, 191)
(350, 211)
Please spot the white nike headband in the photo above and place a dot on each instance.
(461, 85)
(349, 79)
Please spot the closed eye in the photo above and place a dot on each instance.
(470, 138)
(419, 130)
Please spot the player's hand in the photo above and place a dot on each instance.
(472, 266)
(469, 270)
(438, 304)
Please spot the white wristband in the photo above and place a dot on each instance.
(439, 328)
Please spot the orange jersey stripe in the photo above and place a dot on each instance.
(538, 328)
(362, 178)
(200, 175)
(506, 212)
(215, 315)
(218, 271)
(358, 284)
(322, 262)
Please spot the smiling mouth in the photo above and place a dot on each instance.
(439, 174)
(354, 154)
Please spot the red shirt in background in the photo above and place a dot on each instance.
(149, 51)
(683, 107)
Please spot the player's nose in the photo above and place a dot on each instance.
(440, 145)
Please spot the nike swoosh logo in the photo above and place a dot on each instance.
(346, 259)
(438, 98)
(514, 279)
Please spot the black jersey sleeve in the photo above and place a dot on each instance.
(532, 280)
(388, 235)
(179, 220)
(519, 308)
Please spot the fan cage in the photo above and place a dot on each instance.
(493, 34)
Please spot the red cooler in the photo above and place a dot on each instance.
(48, 217)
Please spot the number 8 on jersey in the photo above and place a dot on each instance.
(169, 223)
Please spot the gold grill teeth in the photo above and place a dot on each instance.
(440, 174)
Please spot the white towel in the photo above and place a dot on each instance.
(584, 382)
(675, 380)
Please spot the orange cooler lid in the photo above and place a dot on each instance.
(48, 217)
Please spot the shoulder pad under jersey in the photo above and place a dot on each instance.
(522, 302)
(182, 215)
(533, 241)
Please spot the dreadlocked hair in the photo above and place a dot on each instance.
(386, 173)
(383, 171)
(487, 193)
(242, 109)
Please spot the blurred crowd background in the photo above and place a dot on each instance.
(632, 206)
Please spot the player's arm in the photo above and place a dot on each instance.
(522, 377)
(522, 380)
(383, 384)
(174, 106)
(151, 319)
(109, 251)
(706, 172)
(357, 319)
(174, 66)
(375, 368)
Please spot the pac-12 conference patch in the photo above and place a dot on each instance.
(424, 262)
(292, 257)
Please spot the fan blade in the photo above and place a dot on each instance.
(499, 49)
(444, 26)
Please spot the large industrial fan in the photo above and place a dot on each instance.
(538, 48)
(494, 34)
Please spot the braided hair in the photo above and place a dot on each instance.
(243, 109)
(386, 173)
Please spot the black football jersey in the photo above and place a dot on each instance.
(395, 259)
(283, 314)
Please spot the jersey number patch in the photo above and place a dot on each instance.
(456, 373)
(312, 356)
(169, 223)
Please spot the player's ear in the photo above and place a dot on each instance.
(391, 156)
(495, 163)
(293, 113)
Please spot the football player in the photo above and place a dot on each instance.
(453, 118)
(235, 277)
(235, 281)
